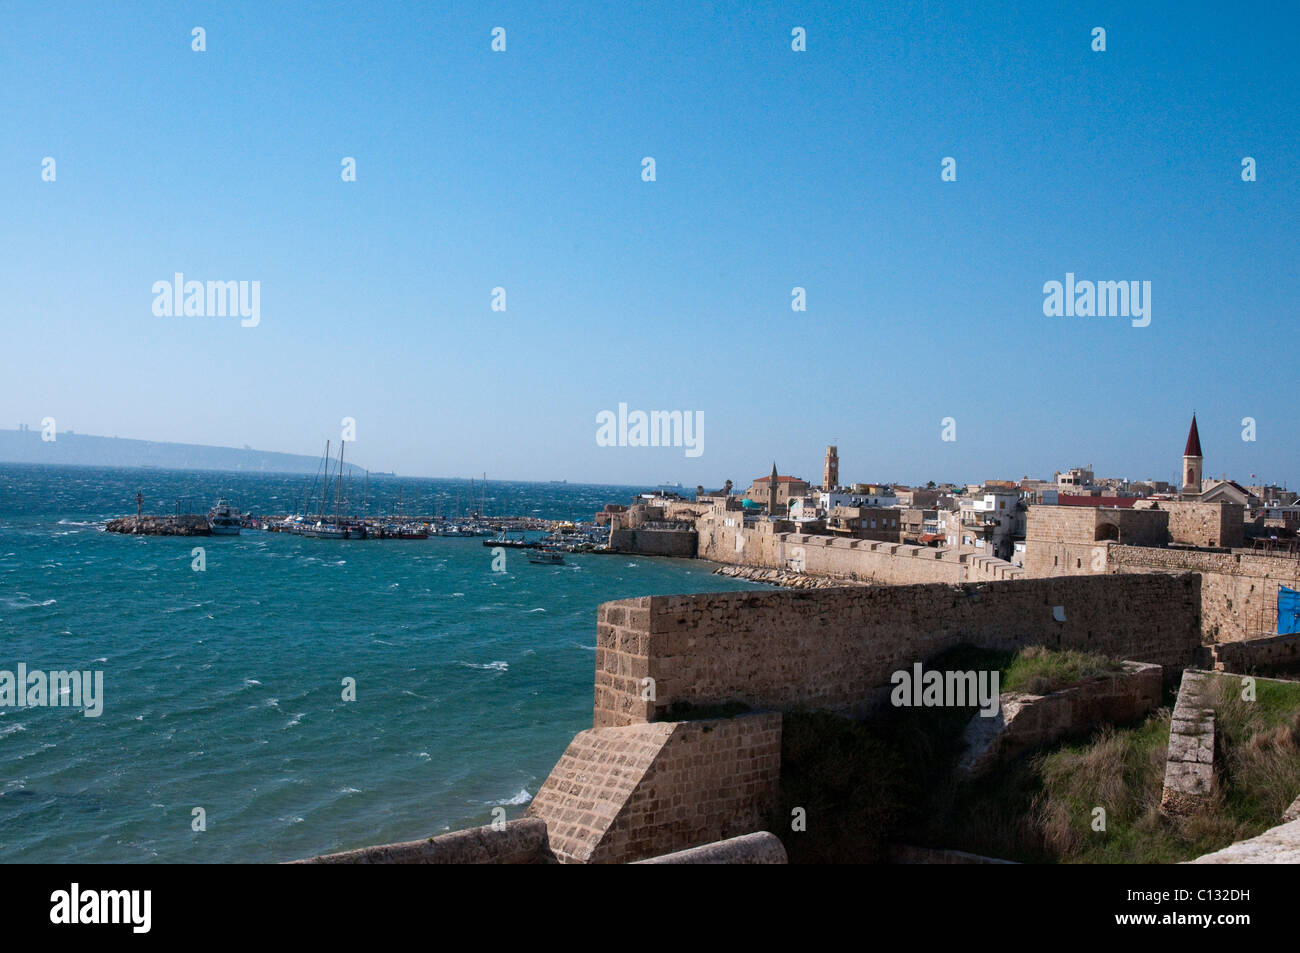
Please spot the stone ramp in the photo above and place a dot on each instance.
(1189, 769)
(590, 784)
(627, 793)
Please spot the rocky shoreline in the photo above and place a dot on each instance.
(784, 578)
(161, 525)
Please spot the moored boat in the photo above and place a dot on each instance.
(223, 519)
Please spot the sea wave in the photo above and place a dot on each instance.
(24, 602)
(491, 666)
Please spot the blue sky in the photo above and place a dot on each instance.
(775, 169)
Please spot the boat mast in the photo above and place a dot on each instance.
(324, 492)
(338, 486)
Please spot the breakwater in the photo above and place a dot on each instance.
(186, 525)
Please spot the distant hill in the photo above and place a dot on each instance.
(74, 449)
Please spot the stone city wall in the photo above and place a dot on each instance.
(835, 649)
(1238, 590)
(654, 542)
(724, 538)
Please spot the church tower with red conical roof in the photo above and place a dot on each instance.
(1192, 461)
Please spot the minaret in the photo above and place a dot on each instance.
(1192, 460)
(771, 492)
(831, 472)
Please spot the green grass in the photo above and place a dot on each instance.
(1042, 808)
(1260, 741)
(864, 785)
(1038, 671)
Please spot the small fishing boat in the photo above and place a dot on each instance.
(223, 519)
(546, 557)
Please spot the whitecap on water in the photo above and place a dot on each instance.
(24, 602)
(523, 797)
(489, 666)
(530, 611)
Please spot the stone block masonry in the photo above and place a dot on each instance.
(1025, 722)
(629, 793)
(724, 537)
(1238, 590)
(1246, 657)
(1189, 770)
(835, 649)
(654, 542)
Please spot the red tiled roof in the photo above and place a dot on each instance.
(1193, 448)
(1123, 502)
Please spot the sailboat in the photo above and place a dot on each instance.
(331, 529)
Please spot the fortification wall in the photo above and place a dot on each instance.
(1247, 656)
(1238, 590)
(725, 539)
(835, 649)
(654, 542)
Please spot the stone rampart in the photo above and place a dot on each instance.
(654, 542)
(835, 649)
(725, 537)
(1238, 589)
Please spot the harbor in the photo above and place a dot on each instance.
(325, 509)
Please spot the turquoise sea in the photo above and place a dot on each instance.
(223, 688)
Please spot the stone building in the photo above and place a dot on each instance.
(775, 491)
(866, 522)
